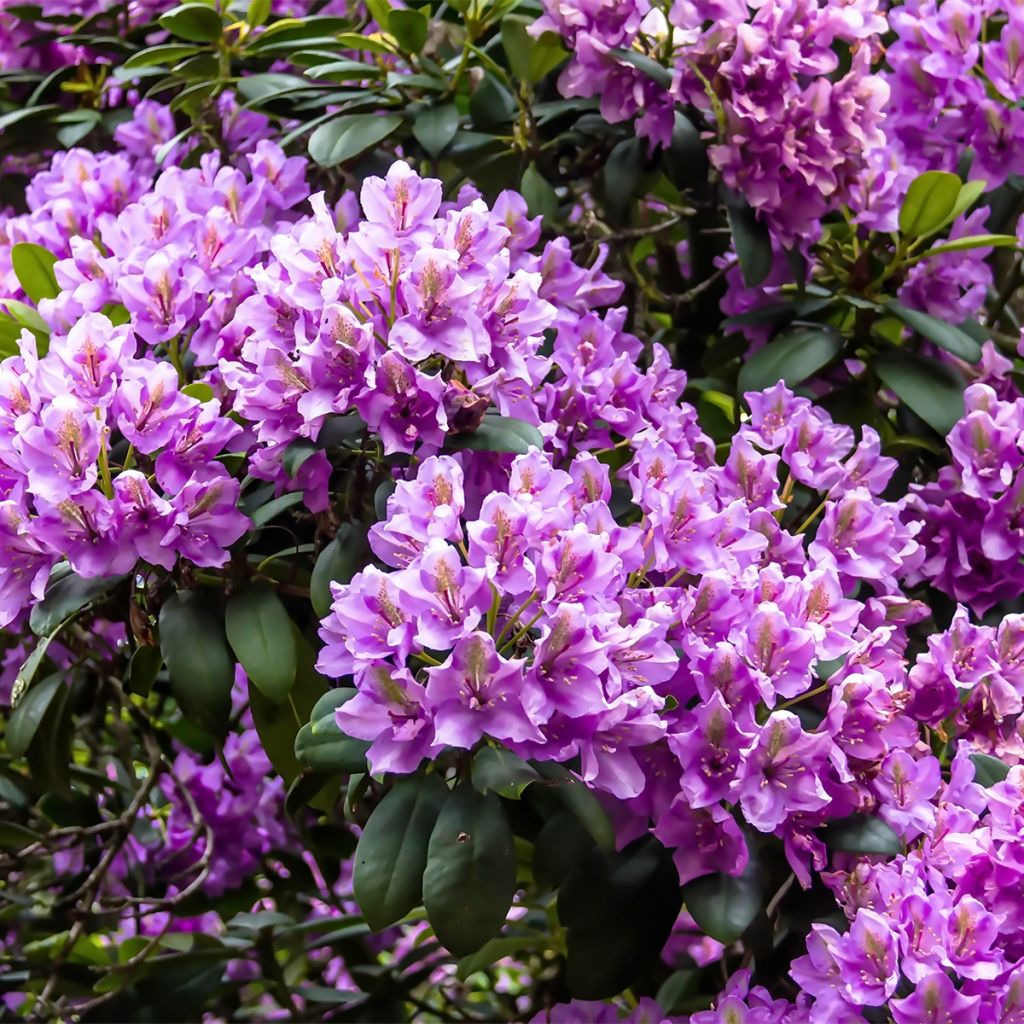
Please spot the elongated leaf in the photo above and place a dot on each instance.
(973, 242)
(409, 28)
(143, 669)
(435, 127)
(498, 434)
(347, 136)
(929, 201)
(946, 336)
(498, 770)
(166, 53)
(723, 905)
(16, 837)
(530, 57)
(197, 23)
(470, 877)
(619, 910)
(261, 635)
(64, 597)
(575, 796)
(25, 719)
(792, 358)
(198, 659)
(323, 747)
(647, 65)
(339, 561)
(989, 770)
(929, 388)
(752, 242)
(392, 851)
(33, 266)
(862, 833)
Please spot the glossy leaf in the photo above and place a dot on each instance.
(498, 434)
(862, 833)
(470, 877)
(33, 266)
(929, 388)
(752, 242)
(619, 909)
(498, 770)
(198, 659)
(435, 127)
(349, 136)
(530, 57)
(65, 597)
(946, 336)
(391, 854)
(724, 905)
(989, 770)
(574, 795)
(199, 23)
(409, 27)
(261, 634)
(26, 717)
(792, 358)
(339, 561)
(929, 200)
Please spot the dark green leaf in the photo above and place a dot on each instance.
(491, 104)
(143, 669)
(435, 127)
(647, 65)
(65, 597)
(560, 846)
(989, 770)
(28, 670)
(686, 162)
(198, 23)
(752, 242)
(529, 57)
(328, 749)
(409, 28)
(16, 837)
(931, 389)
(792, 357)
(267, 512)
(498, 434)
(470, 877)
(198, 659)
(339, 561)
(929, 200)
(724, 905)
(25, 719)
(619, 910)
(539, 194)
(574, 795)
(862, 833)
(261, 635)
(392, 851)
(946, 336)
(498, 770)
(33, 266)
(347, 136)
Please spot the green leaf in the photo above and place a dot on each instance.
(260, 632)
(561, 844)
(279, 725)
(270, 510)
(143, 669)
(28, 670)
(498, 770)
(862, 833)
(491, 104)
(529, 58)
(348, 136)
(198, 659)
(339, 561)
(931, 389)
(33, 266)
(752, 242)
(26, 717)
(791, 357)
(647, 65)
(724, 905)
(470, 877)
(199, 390)
(64, 597)
(686, 162)
(26, 316)
(198, 23)
(930, 199)
(497, 434)
(322, 746)
(16, 837)
(619, 910)
(165, 54)
(409, 27)
(946, 336)
(989, 770)
(497, 949)
(540, 196)
(392, 851)
(970, 193)
(580, 800)
(435, 127)
(259, 11)
(971, 242)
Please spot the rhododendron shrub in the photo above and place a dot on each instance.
(511, 511)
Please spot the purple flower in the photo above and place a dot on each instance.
(935, 1000)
